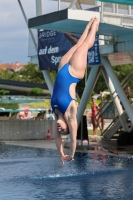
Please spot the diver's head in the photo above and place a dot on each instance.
(62, 127)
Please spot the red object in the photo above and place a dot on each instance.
(48, 135)
(21, 116)
(110, 151)
(26, 111)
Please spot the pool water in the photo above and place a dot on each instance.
(37, 174)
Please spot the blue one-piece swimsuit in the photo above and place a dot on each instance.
(61, 97)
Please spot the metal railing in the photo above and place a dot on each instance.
(107, 7)
(100, 113)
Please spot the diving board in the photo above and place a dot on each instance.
(75, 21)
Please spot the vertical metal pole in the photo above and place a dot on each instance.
(101, 42)
(113, 8)
(116, 10)
(101, 10)
(129, 10)
(101, 13)
(58, 4)
(45, 72)
(38, 7)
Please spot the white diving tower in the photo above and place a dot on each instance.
(75, 21)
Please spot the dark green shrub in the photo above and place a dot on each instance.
(13, 106)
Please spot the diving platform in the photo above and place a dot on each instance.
(119, 52)
(75, 21)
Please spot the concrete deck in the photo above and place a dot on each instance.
(99, 147)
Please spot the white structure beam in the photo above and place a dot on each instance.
(78, 5)
(45, 72)
(118, 88)
(114, 95)
(30, 31)
(72, 4)
(92, 79)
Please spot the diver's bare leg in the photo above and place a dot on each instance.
(78, 61)
(65, 59)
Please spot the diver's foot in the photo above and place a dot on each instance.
(91, 21)
(96, 23)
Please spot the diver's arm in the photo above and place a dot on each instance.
(58, 141)
(72, 123)
(73, 136)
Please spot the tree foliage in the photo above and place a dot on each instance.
(122, 71)
(36, 91)
(4, 92)
(31, 73)
(12, 106)
(53, 74)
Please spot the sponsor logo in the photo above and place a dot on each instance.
(47, 34)
(49, 50)
(55, 60)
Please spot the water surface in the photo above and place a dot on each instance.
(37, 174)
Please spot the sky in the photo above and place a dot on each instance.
(14, 34)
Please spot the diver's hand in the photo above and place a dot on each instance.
(66, 157)
(63, 157)
(69, 158)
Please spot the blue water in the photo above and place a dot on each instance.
(37, 174)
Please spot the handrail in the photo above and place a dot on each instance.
(128, 78)
(112, 123)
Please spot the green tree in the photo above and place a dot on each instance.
(121, 72)
(36, 91)
(100, 85)
(13, 106)
(4, 74)
(53, 74)
(4, 92)
(31, 73)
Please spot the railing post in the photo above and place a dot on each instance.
(129, 10)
